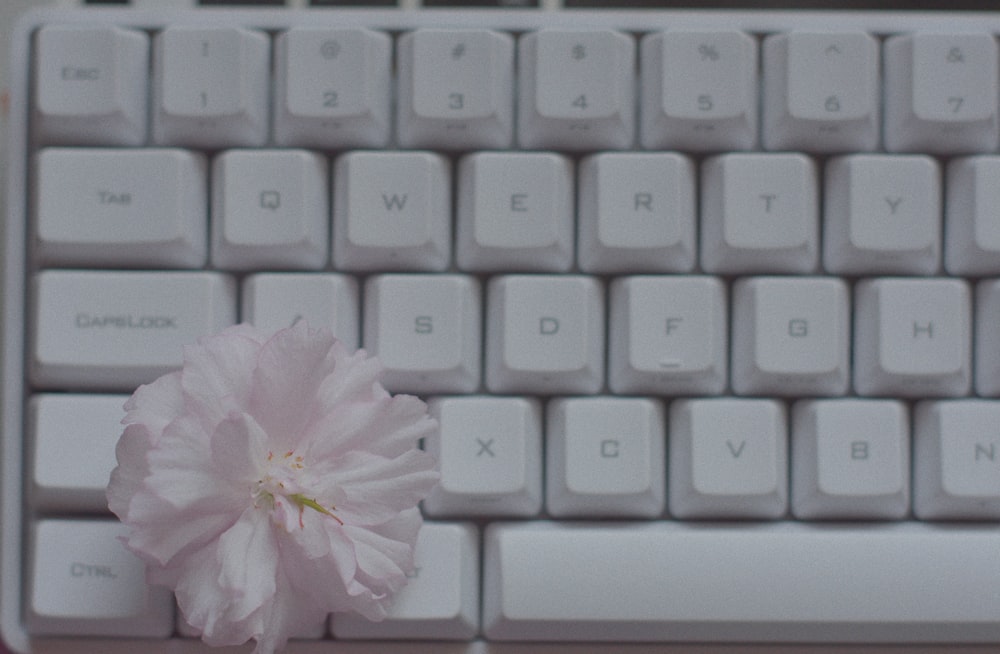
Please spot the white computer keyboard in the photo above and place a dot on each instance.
(707, 305)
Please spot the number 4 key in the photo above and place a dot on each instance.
(577, 90)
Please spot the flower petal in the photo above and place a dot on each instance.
(127, 477)
(239, 449)
(369, 489)
(354, 379)
(156, 404)
(385, 557)
(290, 368)
(203, 601)
(160, 541)
(247, 557)
(218, 370)
(182, 471)
(387, 427)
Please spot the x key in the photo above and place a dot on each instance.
(490, 455)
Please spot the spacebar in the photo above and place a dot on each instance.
(776, 582)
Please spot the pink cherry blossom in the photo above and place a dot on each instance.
(271, 481)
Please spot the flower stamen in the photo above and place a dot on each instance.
(304, 501)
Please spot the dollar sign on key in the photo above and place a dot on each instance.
(579, 51)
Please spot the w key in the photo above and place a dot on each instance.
(117, 330)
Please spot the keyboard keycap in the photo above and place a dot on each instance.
(121, 207)
(441, 598)
(850, 459)
(672, 335)
(636, 213)
(957, 460)
(544, 334)
(941, 93)
(83, 582)
(332, 88)
(576, 89)
(728, 459)
(270, 210)
(988, 338)
(605, 457)
(391, 211)
(699, 91)
(787, 583)
(90, 85)
(117, 330)
(489, 451)
(972, 233)
(425, 329)
(210, 87)
(456, 89)
(912, 337)
(882, 215)
(73, 450)
(759, 214)
(790, 336)
(272, 301)
(515, 212)
(821, 92)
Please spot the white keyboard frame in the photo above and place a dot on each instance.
(12, 506)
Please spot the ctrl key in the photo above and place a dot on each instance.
(85, 583)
